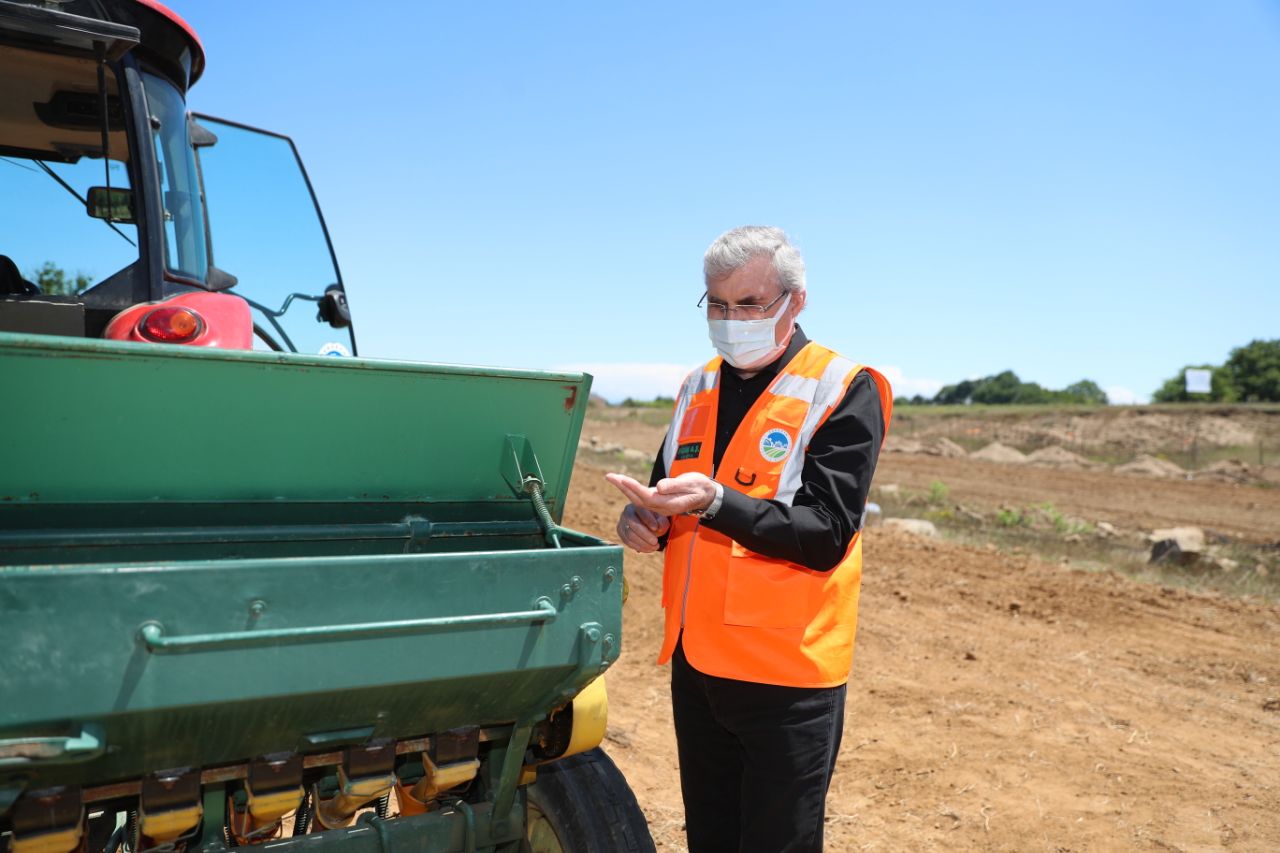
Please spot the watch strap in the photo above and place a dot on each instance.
(716, 502)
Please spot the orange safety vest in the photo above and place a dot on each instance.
(739, 614)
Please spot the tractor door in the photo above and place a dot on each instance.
(266, 231)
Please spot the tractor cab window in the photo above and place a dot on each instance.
(51, 154)
(266, 230)
(186, 255)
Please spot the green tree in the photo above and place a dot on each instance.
(1001, 388)
(1254, 371)
(54, 281)
(1006, 388)
(1085, 391)
(1174, 390)
(951, 395)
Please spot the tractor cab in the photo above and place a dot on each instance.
(125, 216)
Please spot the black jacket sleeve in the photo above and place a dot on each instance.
(659, 470)
(816, 529)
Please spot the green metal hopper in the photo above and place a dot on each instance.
(213, 560)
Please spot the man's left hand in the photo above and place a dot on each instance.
(671, 496)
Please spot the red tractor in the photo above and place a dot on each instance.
(93, 120)
(290, 597)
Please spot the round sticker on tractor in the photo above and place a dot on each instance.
(775, 445)
(336, 349)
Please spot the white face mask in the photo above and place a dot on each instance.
(747, 344)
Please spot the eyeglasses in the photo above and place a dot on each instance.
(721, 311)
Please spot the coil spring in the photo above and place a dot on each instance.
(302, 819)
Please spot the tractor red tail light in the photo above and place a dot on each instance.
(171, 325)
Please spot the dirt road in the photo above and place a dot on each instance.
(1001, 703)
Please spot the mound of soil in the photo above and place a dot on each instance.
(945, 447)
(997, 452)
(1058, 457)
(902, 445)
(936, 446)
(1227, 471)
(1149, 466)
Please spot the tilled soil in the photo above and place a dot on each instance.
(1002, 703)
(1249, 513)
(1136, 429)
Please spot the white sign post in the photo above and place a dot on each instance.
(1199, 381)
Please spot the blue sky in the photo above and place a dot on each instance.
(1069, 190)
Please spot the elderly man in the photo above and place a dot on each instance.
(758, 495)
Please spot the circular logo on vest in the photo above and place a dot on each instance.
(775, 445)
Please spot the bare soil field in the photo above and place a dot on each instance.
(1103, 431)
(1004, 702)
(1125, 500)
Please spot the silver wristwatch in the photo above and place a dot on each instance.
(709, 512)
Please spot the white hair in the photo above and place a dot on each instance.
(734, 249)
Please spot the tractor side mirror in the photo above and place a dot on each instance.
(200, 136)
(333, 308)
(112, 204)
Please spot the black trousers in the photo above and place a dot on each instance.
(755, 761)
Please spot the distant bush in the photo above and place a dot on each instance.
(655, 403)
(1009, 517)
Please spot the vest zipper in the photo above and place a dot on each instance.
(688, 573)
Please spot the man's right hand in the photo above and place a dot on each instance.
(639, 528)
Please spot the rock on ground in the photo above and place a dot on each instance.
(914, 526)
(1177, 544)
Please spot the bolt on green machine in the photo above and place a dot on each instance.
(255, 589)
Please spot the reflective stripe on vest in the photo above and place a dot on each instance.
(743, 615)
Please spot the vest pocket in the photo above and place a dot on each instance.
(764, 593)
